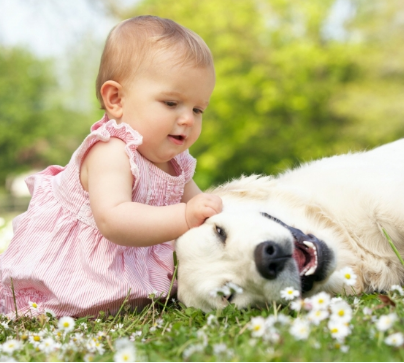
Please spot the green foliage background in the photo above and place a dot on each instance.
(286, 91)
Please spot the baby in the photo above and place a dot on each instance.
(100, 228)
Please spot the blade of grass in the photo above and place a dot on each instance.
(119, 311)
(15, 302)
(172, 280)
(393, 246)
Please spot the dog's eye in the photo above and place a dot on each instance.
(221, 233)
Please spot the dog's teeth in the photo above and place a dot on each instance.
(309, 244)
(311, 271)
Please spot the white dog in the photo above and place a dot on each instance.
(299, 229)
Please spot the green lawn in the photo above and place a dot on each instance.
(187, 334)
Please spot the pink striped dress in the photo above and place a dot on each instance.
(59, 259)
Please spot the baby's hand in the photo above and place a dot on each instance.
(201, 207)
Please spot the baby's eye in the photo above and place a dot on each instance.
(198, 110)
(170, 103)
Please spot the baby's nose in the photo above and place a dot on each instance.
(187, 119)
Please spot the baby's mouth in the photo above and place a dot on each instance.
(177, 139)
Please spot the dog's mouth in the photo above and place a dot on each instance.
(313, 258)
(305, 255)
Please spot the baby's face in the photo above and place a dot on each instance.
(164, 104)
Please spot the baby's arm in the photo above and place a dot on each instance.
(106, 175)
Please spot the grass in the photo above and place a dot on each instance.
(187, 334)
(169, 331)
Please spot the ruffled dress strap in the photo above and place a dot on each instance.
(103, 130)
(67, 185)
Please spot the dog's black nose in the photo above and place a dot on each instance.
(270, 259)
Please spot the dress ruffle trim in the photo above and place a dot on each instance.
(104, 129)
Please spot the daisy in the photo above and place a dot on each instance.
(134, 335)
(211, 320)
(122, 343)
(11, 346)
(94, 346)
(50, 313)
(282, 319)
(385, 322)
(36, 338)
(78, 337)
(317, 316)
(220, 291)
(395, 340)
(66, 323)
(191, 350)
(300, 329)
(234, 288)
(219, 348)
(257, 325)
(341, 311)
(89, 357)
(5, 325)
(272, 336)
(348, 276)
(289, 293)
(397, 288)
(296, 305)
(307, 304)
(202, 336)
(367, 311)
(33, 305)
(338, 329)
(320, 301)
(336, 299)
(48, 345)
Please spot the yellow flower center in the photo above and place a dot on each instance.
(320, 301)
(37, 338)
(348, 276)
(334, 330)
(34, 305)
(341, 313)
(66, 324)
(257, 327)
(125, 358)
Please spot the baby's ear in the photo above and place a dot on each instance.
(111, 93)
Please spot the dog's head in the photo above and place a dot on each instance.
(248, 257)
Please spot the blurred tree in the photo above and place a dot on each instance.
(35, 130)
(287, 90)
(373, 102)
(276, 78)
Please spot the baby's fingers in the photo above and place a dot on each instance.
(214, 202)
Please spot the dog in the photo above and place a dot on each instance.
(299, 230)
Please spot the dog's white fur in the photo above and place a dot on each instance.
(343, 200)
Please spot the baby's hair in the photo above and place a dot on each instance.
(133, 43)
